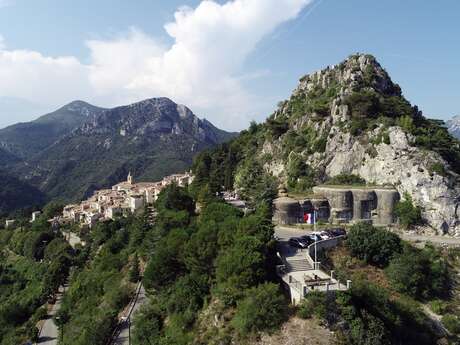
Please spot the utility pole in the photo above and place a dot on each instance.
(316, 238)
(129, 331)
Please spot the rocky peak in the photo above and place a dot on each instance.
(149, 118)
(359, 80)
(356, 72)
(453, 125)
(352, 119)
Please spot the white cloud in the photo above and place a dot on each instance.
(32, 76)
(202, 68)
(4, 3)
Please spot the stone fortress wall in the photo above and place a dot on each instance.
(339, 205)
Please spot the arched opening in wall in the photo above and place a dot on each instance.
(368, 205)
(324, 211)
(444, 228)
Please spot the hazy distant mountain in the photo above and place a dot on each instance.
(14, 109)
(69, 153)
(453, 126)
(24, 140)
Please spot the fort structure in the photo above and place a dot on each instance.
(338, 205)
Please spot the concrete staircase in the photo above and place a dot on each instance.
(298, 265)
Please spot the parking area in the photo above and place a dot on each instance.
(284, 233)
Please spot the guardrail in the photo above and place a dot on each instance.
(321, 245)
(117, 329)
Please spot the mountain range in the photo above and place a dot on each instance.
(69, 153)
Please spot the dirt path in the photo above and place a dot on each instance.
(299, 332)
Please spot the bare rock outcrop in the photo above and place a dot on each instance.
(352, 119)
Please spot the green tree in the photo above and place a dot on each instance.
(452, 323)
(263, 309)
(314, 304)
(419, 273)
(240, 267)
(134, 273)
(373, 245)
(166, 263)
(407, 212)
(148, 325)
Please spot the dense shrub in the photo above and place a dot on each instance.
(263, 309)
(373, 245)
(314, 304)
(240, 267)
(452, 323)
(149, 322)
(300, 176)
(438, 168)
(439, 307)
(421, 273)
(407, 213)
(346, 179)
(277, 126)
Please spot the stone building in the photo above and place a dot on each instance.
(339, 205)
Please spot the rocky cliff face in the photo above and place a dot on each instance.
(453, 126)
(152, 117)
(352, 119)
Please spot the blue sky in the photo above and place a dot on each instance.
(230, 70)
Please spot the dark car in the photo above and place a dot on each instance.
(329, 232)
(338, 232)
(307, 239)
(315, 237)
(297, 242)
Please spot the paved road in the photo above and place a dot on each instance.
(284, 233)
(123, 337)
(440, 240)
(49, 331)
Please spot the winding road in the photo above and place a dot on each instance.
(123, 336)
(49, 332)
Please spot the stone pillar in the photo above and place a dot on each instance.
(332, 275)
(327, 287)
(386, 201)
(348, 284)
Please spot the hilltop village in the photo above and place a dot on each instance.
(124, 198)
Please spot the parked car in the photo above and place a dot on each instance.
(324, 235)
(329, 232)
(315, 237)
(307, 239)
(338, 232)
(297, 242)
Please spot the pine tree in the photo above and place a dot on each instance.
(134, 273)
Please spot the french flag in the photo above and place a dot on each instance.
(309, 218)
